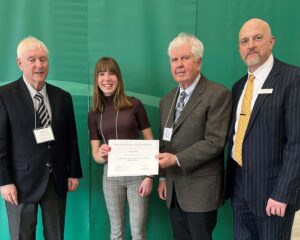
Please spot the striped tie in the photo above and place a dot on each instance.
(180, 105)
(243, 120)
(42, 110)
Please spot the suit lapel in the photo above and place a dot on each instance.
(268, 84)
(193, 102)
(237, 92)
(23, 92)
(168, 114)
(53, 104)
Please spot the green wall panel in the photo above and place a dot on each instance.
(62, 25)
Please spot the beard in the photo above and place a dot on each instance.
(252, 61)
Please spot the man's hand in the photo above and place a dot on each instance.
(166, 160)
(9, 193)
(162, 189)
(72, 184)
(275, 208)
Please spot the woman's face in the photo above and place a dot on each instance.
(107, 82)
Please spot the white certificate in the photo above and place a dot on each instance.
(132, 158)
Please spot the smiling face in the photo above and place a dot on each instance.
(255, 43)
(33, 62)
(184, 67)
(107, 82)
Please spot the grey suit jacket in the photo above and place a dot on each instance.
(198, 141)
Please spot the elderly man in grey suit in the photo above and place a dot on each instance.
(194, 124)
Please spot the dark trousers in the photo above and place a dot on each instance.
(191, 225)
(248, 226)
(22, 219)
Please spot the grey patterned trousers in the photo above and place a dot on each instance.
(116, 191)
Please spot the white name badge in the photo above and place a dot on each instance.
(43, 135)
(265, 91)
(167, 134)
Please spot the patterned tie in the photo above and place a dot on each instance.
(180, 105)
(42, 110)
(243, 120)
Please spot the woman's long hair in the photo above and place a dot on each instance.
(121, 101)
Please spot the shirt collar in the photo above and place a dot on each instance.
(191, 88)
(33, 92)
(264, 68)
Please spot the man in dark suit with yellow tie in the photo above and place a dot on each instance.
(194, 125)
(263, 172)
(39, 156)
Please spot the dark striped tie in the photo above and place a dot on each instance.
(42, 110)
(180, 105)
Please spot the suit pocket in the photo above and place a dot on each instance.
(19, 166)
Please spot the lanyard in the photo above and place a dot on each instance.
(116, 126)
(171, 109)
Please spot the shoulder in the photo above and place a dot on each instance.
(7, 88)
(92, 115)
(169, 95)
(237, 85)
(136, 103)
(216, 87)
(286, 68)
(214, 94)
(134, 100)
(214, 90)
(51, 89)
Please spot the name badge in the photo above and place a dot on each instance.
(167, 134)
(265, 91)
(43, 135)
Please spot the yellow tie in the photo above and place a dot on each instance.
(243, 120)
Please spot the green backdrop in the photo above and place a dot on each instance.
(136, 33)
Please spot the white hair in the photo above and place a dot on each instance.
(30, 43)
(186, 38)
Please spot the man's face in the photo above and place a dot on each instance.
(184, 67)
(255, 43)
(34, 65)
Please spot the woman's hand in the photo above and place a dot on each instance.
(146, 187)
(103, 151)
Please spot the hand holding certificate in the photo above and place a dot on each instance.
(133, 158)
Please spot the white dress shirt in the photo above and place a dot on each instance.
(261, 75)
(43, 91)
